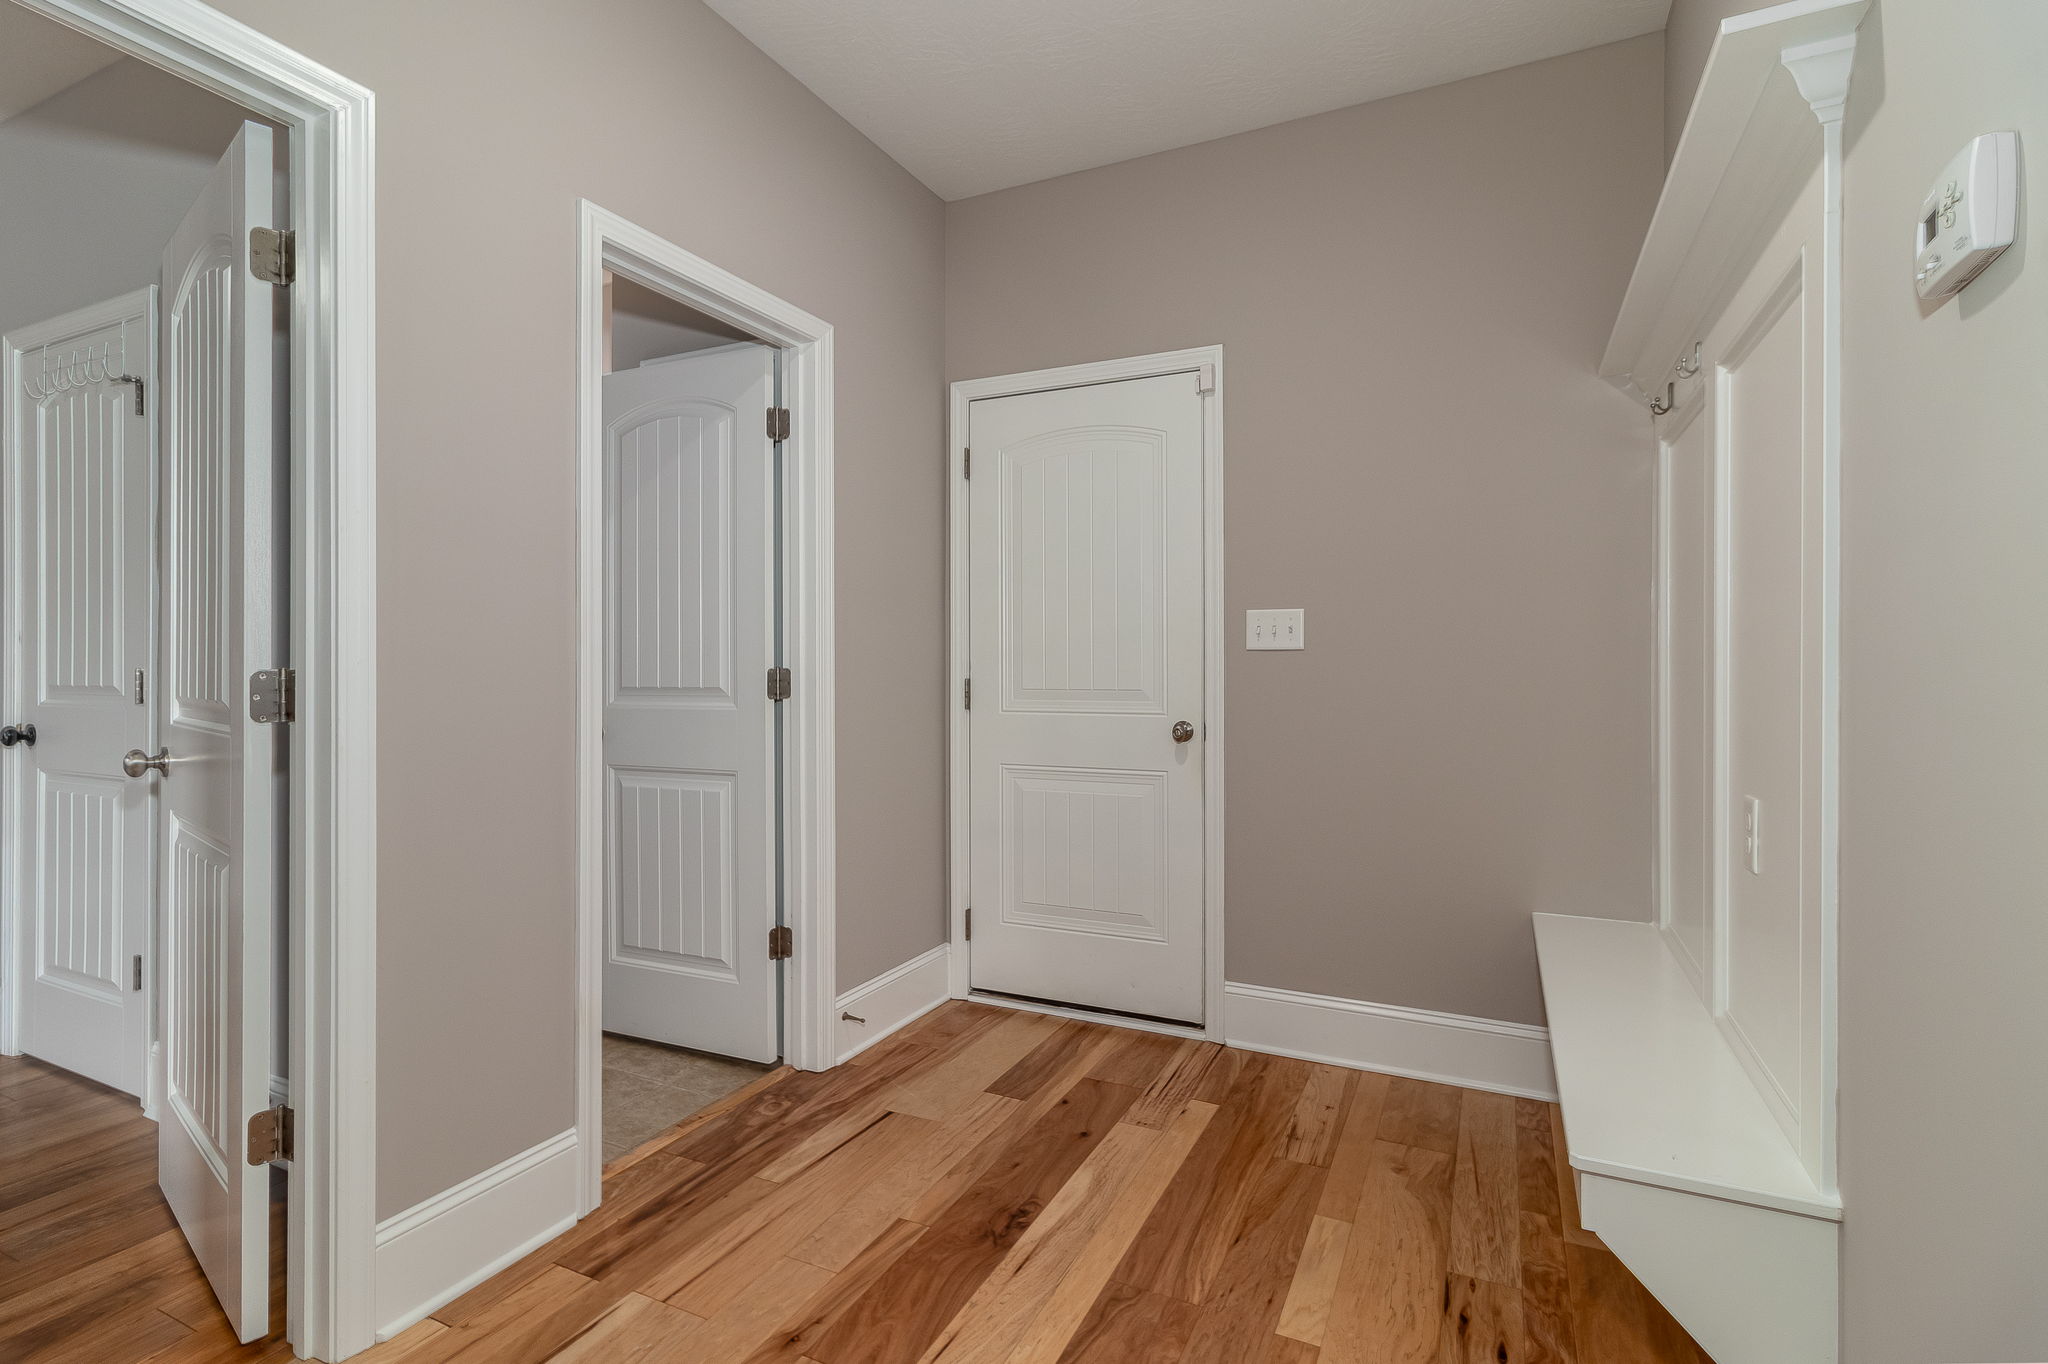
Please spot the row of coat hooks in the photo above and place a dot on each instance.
(1686, 367)
(83, 368)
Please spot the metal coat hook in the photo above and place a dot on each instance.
(1658, 409)
(1687, 368)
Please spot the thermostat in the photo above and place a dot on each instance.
(1968, 216)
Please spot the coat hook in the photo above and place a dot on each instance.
(1658, 409)
(1687, 368)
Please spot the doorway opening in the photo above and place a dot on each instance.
(183, 968)
(704, 686)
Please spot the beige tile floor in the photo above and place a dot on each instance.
(649, 1087)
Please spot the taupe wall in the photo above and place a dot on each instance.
(1688, 38)
(1412, 296)
(94, 180)
(492, 121)
(1944, 725)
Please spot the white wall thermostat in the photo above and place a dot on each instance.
(1968, 216)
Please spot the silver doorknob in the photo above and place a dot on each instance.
(1182, 731)
(135, 762)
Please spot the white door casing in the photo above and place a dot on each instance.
(689, 744)
(1086, 819)
(81, 469)
(222, 797)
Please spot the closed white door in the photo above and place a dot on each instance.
(82, 527)
(1086, 713)
(689, 740)
(222, 791)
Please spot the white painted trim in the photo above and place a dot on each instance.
(1451, 1049)
(898, 997)
(439, 1249)
(1207, 363)
(333, 746)
(607, 242)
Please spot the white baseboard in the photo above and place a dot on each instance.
(1477, 1053)
(437, 1250)
(898, 996)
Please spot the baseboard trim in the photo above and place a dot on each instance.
(441, 1248)
(899, 996)
(1452, 1049)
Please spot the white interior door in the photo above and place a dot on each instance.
(222, 793)
(1086, 800)
(689, 744)
(83, 526)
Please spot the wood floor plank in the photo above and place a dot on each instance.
(1351, 1156)
(703, 1117)
(1128, 1325)
(528, 1325)
(1567, 1184)
(1485, 1229)
(1179, 1077)
(949, 1087)
(1615, 1321)
(914, 1299)
(1482, 1323)
(1421, 1113)
(1318, 1115)
(1043, 1061)
(750, 1320)
(1546, 1288)
(1388, 1306)
(807, 1323)
(637, 1330)
(1138, 1059)
(1243, 1304)
(1189, 1232)
(1307, 1308)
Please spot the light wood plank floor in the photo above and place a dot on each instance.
(985, 1186)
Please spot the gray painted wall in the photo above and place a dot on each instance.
(94, 180)
(496, 122)
(1419, 452)
(1944, 726)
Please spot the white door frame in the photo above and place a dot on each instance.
(1207, 363)
(607, 242)
(332, 821)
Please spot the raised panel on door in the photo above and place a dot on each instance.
(81, 472)
(688, 729)
(1085, 814)
(1764, 441)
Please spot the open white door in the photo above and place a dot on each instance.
(223, 781)
(1085, 726)
(689, 739)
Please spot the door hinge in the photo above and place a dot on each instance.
(778, 684)
(970, 923)
(781, 943)
(273, 255)
(966, 462)
(270, 1135)
(141, 686)
(273, 696)
(778, 423)
(138, 970)
(967, 694)
(141, 391)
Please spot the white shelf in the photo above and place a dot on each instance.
(1651, 1092)
(1748, 143)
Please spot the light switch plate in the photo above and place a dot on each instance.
(1283, 629)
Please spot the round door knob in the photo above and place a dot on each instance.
(1182, 731)
(135, 762)
(10, 735)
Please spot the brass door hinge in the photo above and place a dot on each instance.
(966, 461)
(778, 423)
(781, 943)
(270, 1135)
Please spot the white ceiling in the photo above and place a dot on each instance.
(977, 95)
(39, 57)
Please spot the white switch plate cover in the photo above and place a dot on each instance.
(1283, 629)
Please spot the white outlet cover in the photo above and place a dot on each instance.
(1281, 629)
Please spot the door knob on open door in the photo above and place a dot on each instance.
(135, 762)
(10, 735)
(1182, 731)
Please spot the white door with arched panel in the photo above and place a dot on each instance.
(219, 775)
(1085, 722)
(689, 737)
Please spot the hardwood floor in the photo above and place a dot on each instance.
(985, 1186)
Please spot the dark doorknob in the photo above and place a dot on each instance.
(10, 735)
